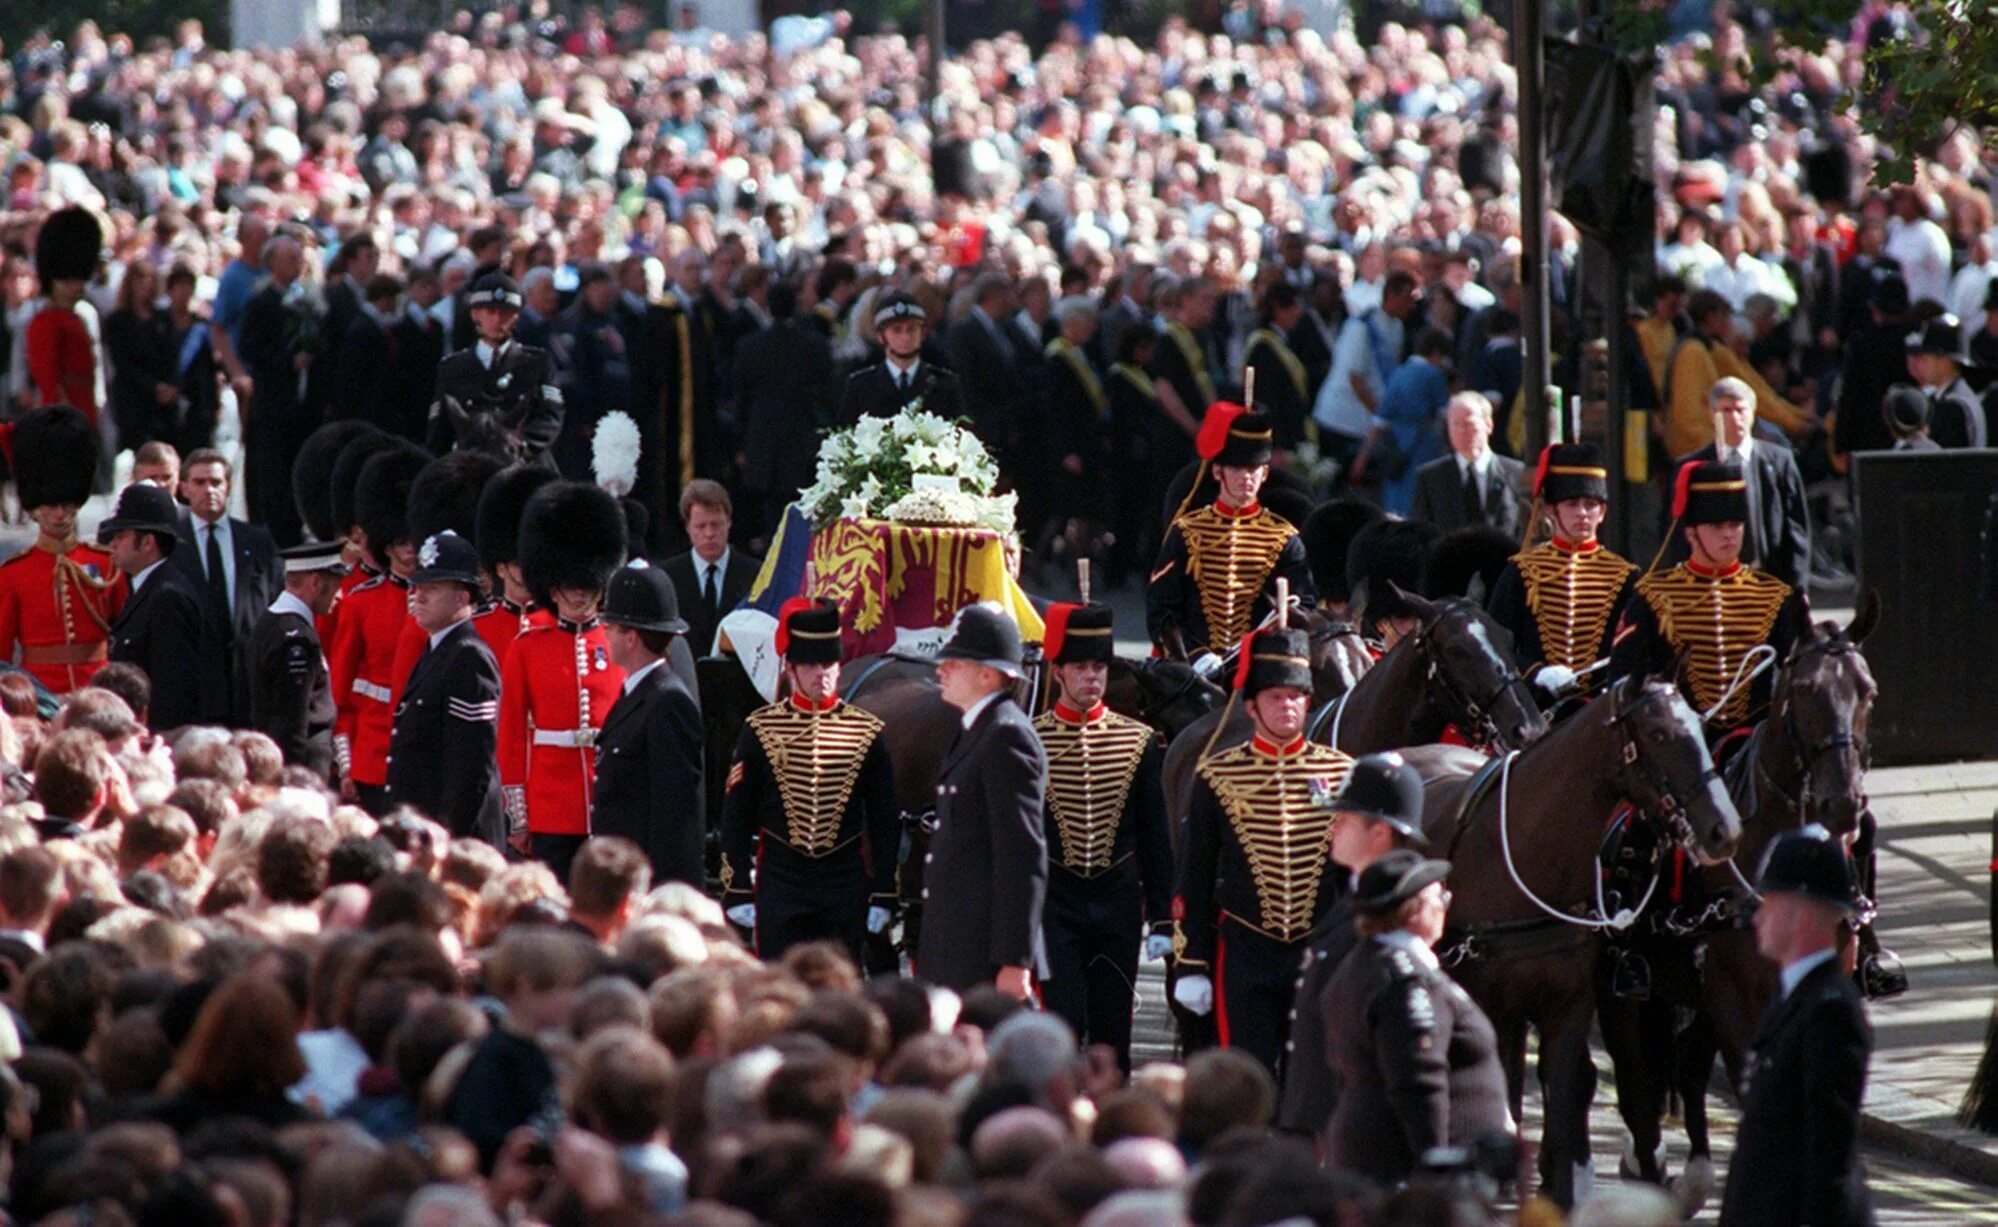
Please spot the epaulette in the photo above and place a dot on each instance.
(366, 584)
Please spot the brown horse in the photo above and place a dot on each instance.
(1803, 763)
(1525, 921)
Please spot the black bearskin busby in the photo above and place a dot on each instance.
(1288, 497)
(1466, 563)
(341, 494)
(68, 246)
(1385, 556)
(312, 474)
(1328, 534)
(55, 457)
(381, 498)
(572, 535)
(446, 494)
(500, 508)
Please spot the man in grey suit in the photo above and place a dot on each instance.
(235, 566)
(1777, 540)
(1473, 485)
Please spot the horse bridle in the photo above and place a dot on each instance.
(1154, 708)
(1659, 800)
(1805, 754)
(1478, 718)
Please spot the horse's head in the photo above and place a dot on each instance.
(1169, 694)
(1467, 661)
(1338, 653)
(1825, 700)
(1667, 772)
(485, 431)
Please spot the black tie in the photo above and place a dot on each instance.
(709, 596)
(1474, 503)
(902, 381)
(218, 580)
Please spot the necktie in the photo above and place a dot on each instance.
(1474, 503)
(901, 381)
(710, 597)
(218, 579)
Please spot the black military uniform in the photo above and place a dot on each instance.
(1796, 1155)
(673, 377)
(1255, 861)
(1417, 1060)
(443, 750)
(1109, 845)
(810, 806)
(483, 393)
(291, 694)
(160, 627)
(649, 785)
(1562, 600)
(1214, 578)
(881, 391)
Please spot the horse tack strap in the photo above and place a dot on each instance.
(1476, 789)
(1519, 939)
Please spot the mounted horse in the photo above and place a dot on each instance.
(1527, 917)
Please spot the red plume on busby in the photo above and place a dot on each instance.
(1244, 656)
(1540, 470)
(1679, 487)
(797, 604)
(1213, 434)
(1056, 622)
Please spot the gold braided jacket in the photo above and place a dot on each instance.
(1276, 808)
(1229, 557)
(1714, 620)
(1091, 762)
(816, 757)
(1572, 592)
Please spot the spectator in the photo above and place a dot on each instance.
(1472, 486)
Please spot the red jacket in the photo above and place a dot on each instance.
(328, 626)
(500, 626)
(62, 625)
(372, 620)
(556, 687)
(63, 360)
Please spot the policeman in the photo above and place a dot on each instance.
(1109, 845)
(499, 395)
(291, 695)
(650, 779)
(1378, 810)
(372, 620)
(902, 377)
(1562, 599)
(810, 807)
(1255, 854)
(441, 756)
(1218, 564)
(504, 616)
(160, 628)
(59, 596)
(559, 682)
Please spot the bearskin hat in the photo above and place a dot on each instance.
(500, 507)
(312, 474)
(1328, 534)
(68, 246)
(572, 535)
(341, 493)
(1288, 497)
(55, 457)
(381, 497)
(1390, 552)
(1464, 558)
(446, 494)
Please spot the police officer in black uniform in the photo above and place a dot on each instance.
(443, 753)
(649, 751)
(1109, 845)
(890, 386)
(499, 395)
(291, 696)
(811, 803)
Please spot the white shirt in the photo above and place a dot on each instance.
(902, 378)
(1466, 466)
(289, 602)
(1923, 250)
(1793, 972)
(139, 580)
(225, 540)
(437, 637)
(1966, 291)
(631, 679)
(487, 354)
(971, 714)
(1735, 455)
(1339, 408)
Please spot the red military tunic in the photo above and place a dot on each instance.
(372, 621)
(556, 687)
(59, 614)
(328, 625)
(62, 360)
(499, 625)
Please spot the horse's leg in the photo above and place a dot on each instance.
(1695, 1050)
(1639, 1087)
(1568, 1086)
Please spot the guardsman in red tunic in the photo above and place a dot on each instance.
(505, 615)
(58, 597)
(371, 626)
(558, 682)
(323, 484)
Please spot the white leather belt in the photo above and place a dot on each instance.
(581, 739)
(367, 689)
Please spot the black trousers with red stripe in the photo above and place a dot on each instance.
(1092, 928)
(1255, 980)
(808, 899)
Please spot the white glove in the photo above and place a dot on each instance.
(1195, 993)
(743, 914)
(1553, 678)
(1206, 664)
(1157, 946)
(877, 919)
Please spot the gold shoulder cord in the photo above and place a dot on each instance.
(816, 759)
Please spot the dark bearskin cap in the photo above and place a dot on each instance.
(342, 495)
(1390, 552)
(1466, 557)
(1328, 534)
(68, 246)
(572, 535)
(55, 457)
(312, 474)
(446, 494)
(500, 508)
(1288, 497)
(381, 497)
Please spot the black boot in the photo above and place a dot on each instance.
(1880, 972)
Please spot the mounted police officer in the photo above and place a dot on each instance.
(499, 395)
(1218, 563)
(291, 693)
(903, 376)
(1254, 854)
(1109, 843)
(809, 828)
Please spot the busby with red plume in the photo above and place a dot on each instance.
(55, 457)
(1271, 657)
(1708, 492)
(1079, 633)
(808, 631)
(1234, 435)
(1570, 470)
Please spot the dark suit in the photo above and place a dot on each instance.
(225, 672)
(1876, 358)
(279, 420)
(783, 394)
(1309, 1087)
(983, 359)
(291, 697)
(1778, 537)
(364, 374)
(649, 776)
(1439, 496)
(871, 392)
(160, 630)
(987, 867)
(518, 390)
(736, 577)
(444, 750)
(1796, 1156)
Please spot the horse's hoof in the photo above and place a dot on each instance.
(1692, 1187)
(1630, 1166)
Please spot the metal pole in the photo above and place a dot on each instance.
(1617, 407)
(933, 78)
(1529, 61)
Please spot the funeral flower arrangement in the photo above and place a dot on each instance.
(915, 467)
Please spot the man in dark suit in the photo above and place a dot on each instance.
(1936, 359)
(364, 368)
(234, 565)
(712, 577)
(160, 628)
(1473, 486)
(1777, 540)
(783, 376)
(988, 861)
(291, 696)
(418, 340)
(983, 359)
(276, 354)
(443, 752)
(649, 750)
(888, 387)
(1876, 358)
(1796, 1156)
(347, 290)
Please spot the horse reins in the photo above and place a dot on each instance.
(1479, 714)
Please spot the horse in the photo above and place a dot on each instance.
(487, 430)
(1803, 763)
(1521, 833)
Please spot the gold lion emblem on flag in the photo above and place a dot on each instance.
(850, 569)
